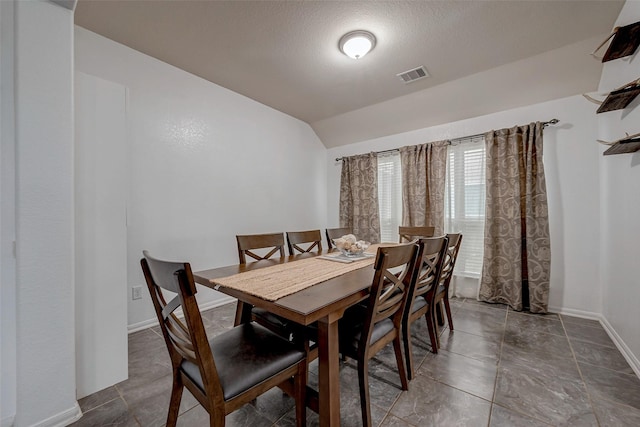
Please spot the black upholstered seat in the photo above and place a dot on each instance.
(228, 371)
(418, 304)
(276, 323)
(380, 329)
(245, 356)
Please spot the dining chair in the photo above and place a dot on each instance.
(442, 293)
(227, 371)
(305, 336)
(407, 234)
(310, 240)
(247, 244)
(433, 251)
(336, 233)
(270, 244)
(367, 328)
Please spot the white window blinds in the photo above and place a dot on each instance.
(389, 195)
(465, 204)
(464, 201)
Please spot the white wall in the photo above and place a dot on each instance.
(45, 366)
(206, 164)
(620, 189)
(100, 234)
(7, 219)
(571, 166)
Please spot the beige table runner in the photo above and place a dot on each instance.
(277, 281)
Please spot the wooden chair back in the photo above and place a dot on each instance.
(433, 255)
(270, 244)
(442, 293)
(311, 238)
(266, 359)
(408, 234)
(248, 243)
(395, 274)
(336, 233)
(392, 286)
(185, 340)
(433, 252)
(453, 248)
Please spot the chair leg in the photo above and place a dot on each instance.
(301, 339)
(408, 349)
(300, 387)
(447, 308)
(397, 347)
(217, 419)
(433, 331)
(439, 314)
(174, 403)
(363, 380)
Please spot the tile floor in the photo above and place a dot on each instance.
(498, 368)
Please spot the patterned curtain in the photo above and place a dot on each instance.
(359, 196)
(516, 244)
(424, 169)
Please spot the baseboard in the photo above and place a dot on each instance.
(8, 421)
(576, 313)
(62, 419)
(617, 340)
(624, 349)
(145, 324)
(135, 327)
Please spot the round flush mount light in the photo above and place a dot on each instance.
(357, 44)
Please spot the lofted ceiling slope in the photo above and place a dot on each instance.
(482, 56)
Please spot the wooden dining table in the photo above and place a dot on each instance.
(324, 302)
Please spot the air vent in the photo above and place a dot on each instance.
(413, 75)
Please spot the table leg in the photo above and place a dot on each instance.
(243, 313)
(328, 372)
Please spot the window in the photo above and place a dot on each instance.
(465, 204)
(389, 196)
(464, 201)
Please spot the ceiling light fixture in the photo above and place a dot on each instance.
(357, 44)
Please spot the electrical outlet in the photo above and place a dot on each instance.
(136, 292)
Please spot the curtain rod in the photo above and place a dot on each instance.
(544, 125)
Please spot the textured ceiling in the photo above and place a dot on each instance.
(285, 54)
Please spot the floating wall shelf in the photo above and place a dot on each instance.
(620, 98)
(625, 42)
(627, 145)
